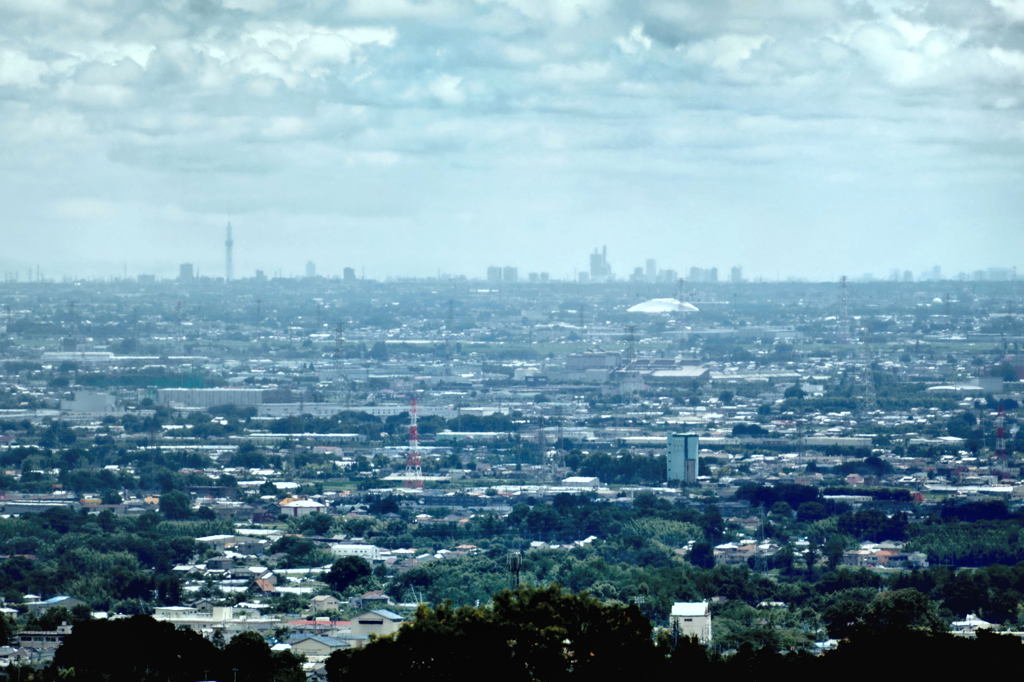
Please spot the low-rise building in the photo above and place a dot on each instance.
(227, 619)
(379, 622)
(302, 507)
(316, 646)
(691, 619)
(46, 640)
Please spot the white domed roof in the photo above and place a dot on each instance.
(663, 305)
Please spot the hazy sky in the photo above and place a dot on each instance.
(803, 137)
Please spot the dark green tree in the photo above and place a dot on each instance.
(531, 634)
(175, 505)
(902, 610)
(702, 554)
(347, 571)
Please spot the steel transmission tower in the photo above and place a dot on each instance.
(413, 470)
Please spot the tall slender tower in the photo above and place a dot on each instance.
(229, 256)
(413, 470)
(1001, 450)
(844, 312)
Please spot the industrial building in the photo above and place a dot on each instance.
(210, 397)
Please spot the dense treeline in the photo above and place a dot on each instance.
(140, 649)
(640, 558)
(964, 543)
(977, 533)
(625, 573)
(372, 427)
(625, 468)
(106, 561)
(567, 518)
(544, 635)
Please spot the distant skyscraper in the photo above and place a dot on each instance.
(186, 273)
(229, 256)
(703, 275)
(348, 274)
(600, 271)
(683, 457)
(651, 270)
(509, 274)
(494, 273)
(736, 274)
(310, 269)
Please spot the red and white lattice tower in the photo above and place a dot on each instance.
(413, 470)
(1001, 434)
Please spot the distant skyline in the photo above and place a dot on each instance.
(797, 138)
(723, 276)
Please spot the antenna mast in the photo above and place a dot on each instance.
(413, 470)
(229, 256)
(844, 319)
(1001, 450)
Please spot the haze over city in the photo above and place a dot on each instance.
(541, 339)
(807, 139)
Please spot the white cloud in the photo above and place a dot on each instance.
(403, 9)
(192, 104)
(96, 96)
(85, 209)
(726, 52)
(36, 6)
(281, 127)
(636, 41)
(20, 70)
(1014, 9)
(562, 12)
(1013, 59)
(520, 54)
(250, 5)
(448, 89)
(576, 73)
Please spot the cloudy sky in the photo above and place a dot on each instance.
(793, 137)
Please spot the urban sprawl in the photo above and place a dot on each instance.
(288, 468)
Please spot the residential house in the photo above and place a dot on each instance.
(61, 601)
(378, 622)
(324, 602)
(300, 507)
(374, 599)
(316, 646)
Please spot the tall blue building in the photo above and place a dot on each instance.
(683, 457)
